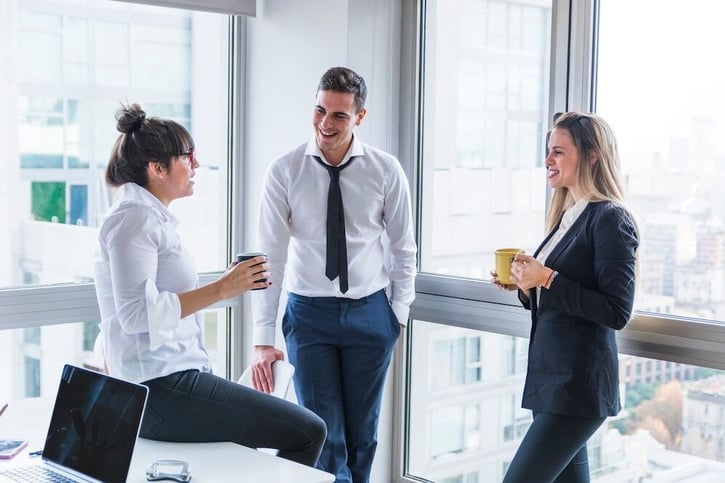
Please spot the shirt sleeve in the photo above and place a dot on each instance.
(273, 236)
(398, 220)
(133, 244)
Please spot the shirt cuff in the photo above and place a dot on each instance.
(164, 315)
(401, 311)
(264, 335)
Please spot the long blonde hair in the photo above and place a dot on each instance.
(597, 181)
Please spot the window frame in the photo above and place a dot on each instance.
(476, 304)
(54, 304)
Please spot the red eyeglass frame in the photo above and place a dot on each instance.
(190, 153)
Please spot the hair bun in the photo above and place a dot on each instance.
(130, 118)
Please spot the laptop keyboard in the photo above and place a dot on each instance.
(35, 474)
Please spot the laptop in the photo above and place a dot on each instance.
(93, 430)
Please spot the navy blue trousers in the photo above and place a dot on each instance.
(341, 349)
(193, 406)
(554, 449)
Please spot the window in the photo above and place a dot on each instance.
(516, 419)
(74, 62)
(467, 478)
(32, 377)
(454, 430)
(75, 67)
(672, 173)
(674, 161)
(456, 361)
(458, 424)
(485, 104)
(673, 166)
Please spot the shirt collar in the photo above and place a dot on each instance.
(356, 149)
(139, 195)
(572, 213)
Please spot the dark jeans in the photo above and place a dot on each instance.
(193, 406)
(554, 449)
(341, 349)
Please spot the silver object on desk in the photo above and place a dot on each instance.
(183, 475)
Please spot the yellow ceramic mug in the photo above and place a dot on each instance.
(504, 257)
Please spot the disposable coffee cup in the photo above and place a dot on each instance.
(504, 258)
(246, 256)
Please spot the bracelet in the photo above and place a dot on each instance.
(552, 276)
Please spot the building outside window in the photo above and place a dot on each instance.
(486, 108)
(71, 64)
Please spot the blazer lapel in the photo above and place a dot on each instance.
(534, 304)
(556, 251)
(569, 236)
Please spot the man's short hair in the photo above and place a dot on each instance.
(342, 79)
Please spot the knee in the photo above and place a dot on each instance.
(318, 428)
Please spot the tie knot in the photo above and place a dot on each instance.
(333, 170)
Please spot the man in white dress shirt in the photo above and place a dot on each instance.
(340, 325)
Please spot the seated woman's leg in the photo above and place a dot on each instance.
(193, 406)
(551, 444)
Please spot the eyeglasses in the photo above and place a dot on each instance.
(190, 153)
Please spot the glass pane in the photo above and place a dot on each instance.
(73, 63)
(672, 421)
(669, 120)
(463, 425)
(33, 357)
(485, 116)
(76, 61)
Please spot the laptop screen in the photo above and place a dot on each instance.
(95, 424)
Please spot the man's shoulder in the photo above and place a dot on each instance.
(378, 156)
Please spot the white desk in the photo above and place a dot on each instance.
(208, 462)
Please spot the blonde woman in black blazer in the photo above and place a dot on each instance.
(579, 287)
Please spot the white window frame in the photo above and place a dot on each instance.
(479, 305)
(46, 305)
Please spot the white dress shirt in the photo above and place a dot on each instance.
(292, 231)
(140, 268)
(568, 218)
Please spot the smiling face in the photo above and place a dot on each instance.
(562, 163)
(333, 120)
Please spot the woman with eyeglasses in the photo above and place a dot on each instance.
(149, 296)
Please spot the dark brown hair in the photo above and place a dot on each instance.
(143, 140)
(342, 79)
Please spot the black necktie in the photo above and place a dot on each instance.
(336, 243)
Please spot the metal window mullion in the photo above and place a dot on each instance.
(581, 58)
(236, 169)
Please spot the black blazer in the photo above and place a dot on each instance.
(573, 368)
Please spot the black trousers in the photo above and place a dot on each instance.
(193, 406)
(554, 449)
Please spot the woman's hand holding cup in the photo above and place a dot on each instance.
(501, 276)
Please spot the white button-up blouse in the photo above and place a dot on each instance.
(140, 268)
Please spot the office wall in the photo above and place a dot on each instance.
(290, 44)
